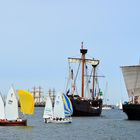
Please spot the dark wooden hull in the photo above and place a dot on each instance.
(132, 111)
(83, 107)
(13, 123)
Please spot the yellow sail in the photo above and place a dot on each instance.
(26, 100)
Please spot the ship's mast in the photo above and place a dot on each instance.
(83, 52)
(93, 80)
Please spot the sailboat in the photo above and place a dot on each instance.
(48, 111)
(2, 111)
(9, 115)
(131, 76)
(120, 105)
(106, 106)
(83, 105)
(62, 111)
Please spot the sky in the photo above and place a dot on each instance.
(37, 37)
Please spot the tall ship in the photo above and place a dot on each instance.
(88, 100)
(131, 76)
(38, 95)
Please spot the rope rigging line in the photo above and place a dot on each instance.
(77, 73)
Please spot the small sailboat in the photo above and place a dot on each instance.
(106, 107)
(48, 111)
(120, 105)
(2, 111)
(9, 115)
(62, 111)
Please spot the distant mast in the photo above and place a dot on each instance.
(93, 81)
(83, 52)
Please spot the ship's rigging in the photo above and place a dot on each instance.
(88, 66)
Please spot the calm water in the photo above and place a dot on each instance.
(112, 125)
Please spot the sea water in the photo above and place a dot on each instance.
(111, 125)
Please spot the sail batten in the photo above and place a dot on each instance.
(131, 76)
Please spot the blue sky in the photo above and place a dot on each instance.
(37, 36)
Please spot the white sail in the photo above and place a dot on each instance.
(59, 106)
(48, 111)
(120, 105)
(2, 112)
(131, 76)
(11, 108)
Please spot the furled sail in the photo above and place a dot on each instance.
(11, 107)
(67, 106)
(87, 61)
(48, 111)
(131, 76)
(2, 112)
(26, 102)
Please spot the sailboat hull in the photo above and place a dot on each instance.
(132, 111)
(84, 107)
(13, 123)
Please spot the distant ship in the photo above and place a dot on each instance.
(89, 104)
(107, 107)
(37, 93)
(131, 76)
